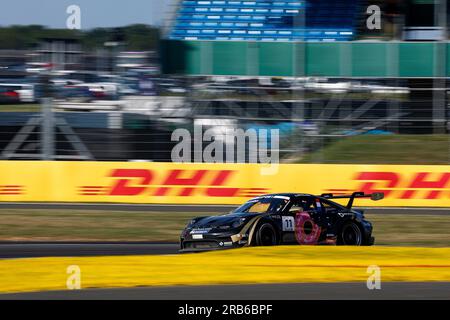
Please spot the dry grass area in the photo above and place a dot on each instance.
(20, 108)
(411, 230)
(90, 225)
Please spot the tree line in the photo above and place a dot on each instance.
(137, 37)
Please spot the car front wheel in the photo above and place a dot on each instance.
(266, 235)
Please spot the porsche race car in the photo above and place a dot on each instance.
(282, 219)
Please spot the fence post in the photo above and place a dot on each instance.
(47, 130)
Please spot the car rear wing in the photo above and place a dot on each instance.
(374, 196)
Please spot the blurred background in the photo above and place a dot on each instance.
(343, 82)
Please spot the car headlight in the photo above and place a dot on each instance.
(238, 223)
(191, 224)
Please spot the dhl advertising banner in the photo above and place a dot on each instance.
(170, 183)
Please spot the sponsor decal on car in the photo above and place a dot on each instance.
(200, 231)
(345, 214)
(288, 224)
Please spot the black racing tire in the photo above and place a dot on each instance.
(350, 235)
(266, 235)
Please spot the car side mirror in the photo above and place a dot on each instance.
(377, 196)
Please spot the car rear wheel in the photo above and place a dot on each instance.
(350, 235)
(266, 235)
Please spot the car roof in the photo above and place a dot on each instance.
(290, 195)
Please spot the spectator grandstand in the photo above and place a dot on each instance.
(266, 20)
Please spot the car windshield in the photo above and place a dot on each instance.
(263, 205)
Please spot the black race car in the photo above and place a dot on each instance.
(281, 219)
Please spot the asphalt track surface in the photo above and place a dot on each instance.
(9, 250)
(305, 291)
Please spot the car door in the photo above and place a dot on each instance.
(298, 224)
(288, 222)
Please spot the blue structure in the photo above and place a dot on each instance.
(266, 20)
